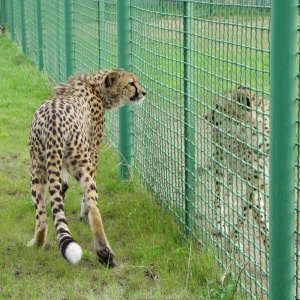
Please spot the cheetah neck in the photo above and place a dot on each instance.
(89, 87)
(96, 83)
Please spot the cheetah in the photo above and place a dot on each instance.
(65, 137)
(240, 134)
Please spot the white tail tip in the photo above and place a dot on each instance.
(73, 253)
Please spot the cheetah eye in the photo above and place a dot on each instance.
(131, 83)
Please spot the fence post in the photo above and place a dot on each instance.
(125, 138)
(39, 18)
(189, 116)
(69, 38)
(12, 19)
(282, 151)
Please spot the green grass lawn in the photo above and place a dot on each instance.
(153, 259)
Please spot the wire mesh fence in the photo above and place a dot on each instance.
(3, 14)
(201, 141)
(228, 48)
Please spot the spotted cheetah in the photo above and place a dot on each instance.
(65, 137)
(240, 135)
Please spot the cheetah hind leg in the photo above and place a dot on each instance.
(38, 192)
(64, 189)
(84, 209)
(64, 180)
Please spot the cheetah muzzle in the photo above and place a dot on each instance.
(65, 137)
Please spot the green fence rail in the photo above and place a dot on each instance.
(201, 141)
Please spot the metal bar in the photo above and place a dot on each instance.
(189, 117)
(12, 19)
(23, 29)
(40, 37)
(69, 38)
(125, 138)
(282, 142)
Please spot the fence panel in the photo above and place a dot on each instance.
(16, 4)
(230, 47)
(108, 47)
(3, 14)
(86, 35)
(31, 30)
(54, 39)
(201, 139)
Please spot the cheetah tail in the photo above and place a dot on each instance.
(68, 247)
(73, 253)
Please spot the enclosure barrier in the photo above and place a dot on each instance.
(123, 9)
(282, 156)
(208, 163)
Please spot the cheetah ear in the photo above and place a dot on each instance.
(111, 78)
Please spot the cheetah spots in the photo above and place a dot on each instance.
(57, 209)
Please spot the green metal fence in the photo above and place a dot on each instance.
(200, 143)
(3, 14)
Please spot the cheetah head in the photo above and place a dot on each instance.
(231, 105)
(122, 87)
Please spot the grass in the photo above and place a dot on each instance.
(230, 46)
(154, 261)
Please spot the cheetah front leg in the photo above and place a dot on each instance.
(257, 204)
(238, 225)
(260, 216)
(38, 192)
(219, 174)
(220, 210)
